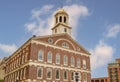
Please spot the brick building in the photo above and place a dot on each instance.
(101, 79)
(53, 58)
(114, 71)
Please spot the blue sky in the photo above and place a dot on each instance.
(95, 24)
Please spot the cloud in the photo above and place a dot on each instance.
(75, 13)
(101, 55)
(9, 49)
(41, 25)
(113, 31)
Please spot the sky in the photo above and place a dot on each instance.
(95, 25)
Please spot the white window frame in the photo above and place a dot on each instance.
(78, 63)
(65, 60)
(49, 70)
(67, 75)
(84, 64)
(49, 57)
(41, 72)
(72, 61)
(41, 54)
(56, 73)
(57, 58)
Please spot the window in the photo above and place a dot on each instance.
(57, 74)
(49, 57)
(60, 20)
(49, 73)
(40, 55)
(72, 61)
(65, 29)
(84, 64)
(78, 63)
(65, 45)
(57, 58)
(55, 30)
(65, 75)
(56, 19)
(65, 60)
(50, 40)
(39, 75)
(64, 19)
(85, 77)
(72, 75)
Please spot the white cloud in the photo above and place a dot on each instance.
(9, 49)
(101, 55)
(113, 31)
(75, 13)
(40, 26)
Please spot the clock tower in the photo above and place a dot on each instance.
(61, 23)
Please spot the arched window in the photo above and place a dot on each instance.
(49, 73)
(39, 75)
(57, 58)
(65, 75)
(65, 60)
(60, 19)
(84, 64)
(49, 57)
(57, 74)
(40, 55)
(64, 19)
(72, 61)
(78, 63)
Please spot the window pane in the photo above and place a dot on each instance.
(57, 74)
(40, 55)
(49, 73)
(72, 61)
(78, 62)
(49, 57)
(65, 74)
(65, 60)
(40, 73)
(57, 59)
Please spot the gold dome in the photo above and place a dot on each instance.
(61, 11)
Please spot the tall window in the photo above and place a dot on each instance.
(49, 57)
(64, 19)
(85, 77)
(78, 63)
(65, 60)
(57, 58)
(57, 74)
(57, 20)
(72, 61)
(40, 55)
(39, 73)
(72, 75)
(65, 75)
(49, 73)
(84, 64)
(60, 20)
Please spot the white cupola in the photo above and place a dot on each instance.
(61, 23)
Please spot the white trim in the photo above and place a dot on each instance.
(67, 41)
(54, 46)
